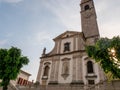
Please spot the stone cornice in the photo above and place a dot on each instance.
(78, 51)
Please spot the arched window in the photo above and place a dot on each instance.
(46, 71)
(86, 7)
(89, 67)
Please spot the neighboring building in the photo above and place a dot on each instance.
(68, 62)
(22, 79)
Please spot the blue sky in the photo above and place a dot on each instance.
(32, 24)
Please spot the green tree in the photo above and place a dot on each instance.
(107, 53)
(11, 61)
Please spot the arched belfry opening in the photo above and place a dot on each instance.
(86, 7)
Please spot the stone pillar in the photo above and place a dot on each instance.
(79, 70)
(57, 70)
(39, 71)
(74, 44)
(74, 71)
(59, 48)
(101, 74)
(53, 72)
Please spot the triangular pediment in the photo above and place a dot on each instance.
(66, 34)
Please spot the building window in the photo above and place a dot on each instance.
(91, 82)
(67, 47)
(89, 67)
(46, 71)
(86, 7)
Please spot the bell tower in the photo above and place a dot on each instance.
(89, 22)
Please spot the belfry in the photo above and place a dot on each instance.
(68, 62)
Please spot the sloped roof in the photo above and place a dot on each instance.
(67, 33)
(25, 72)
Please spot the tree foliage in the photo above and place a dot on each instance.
(11, 61)
(107, 53)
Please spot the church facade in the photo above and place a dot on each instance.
(68, 62)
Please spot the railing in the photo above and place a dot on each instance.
(12, 86)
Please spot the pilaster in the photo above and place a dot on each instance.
(79, 70)
(39, 72)
(74, 70)
(57, 70)
(52, 71)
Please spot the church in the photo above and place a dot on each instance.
(68, 62)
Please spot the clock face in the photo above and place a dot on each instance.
(88, 14)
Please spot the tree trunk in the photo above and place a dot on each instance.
(5, 87)
(5, 82)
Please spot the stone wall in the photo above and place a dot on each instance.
(55, 87)
(114, 85)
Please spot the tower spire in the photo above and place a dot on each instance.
(88, 19)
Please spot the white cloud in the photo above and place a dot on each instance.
(109, 29)
(11, 1)
(41, 36)
(67, 12)
(108, 18)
